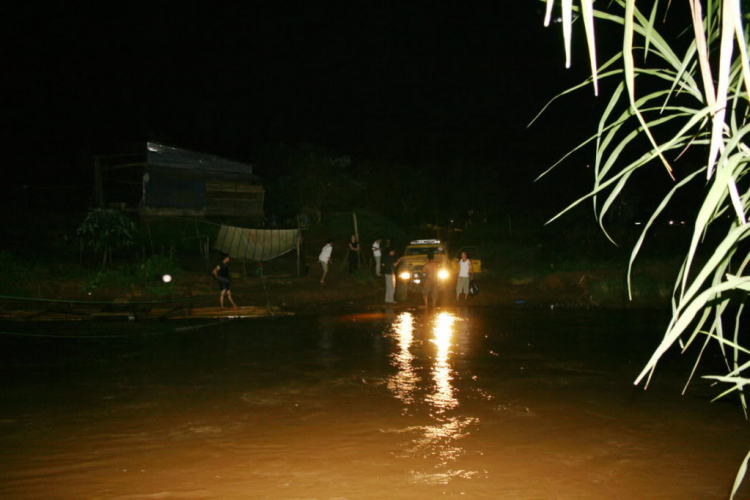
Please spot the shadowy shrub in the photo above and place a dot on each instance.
(146, 275)
(105, 230)
(153, 268)
(340, 227)
(109, 278)
(14, 275)
(613, 290)
(366, 276)
(161, 235)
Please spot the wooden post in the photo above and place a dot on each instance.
(299, 236)
(356, 235)
(208, 245)
(150, 238)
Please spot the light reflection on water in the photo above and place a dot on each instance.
(440, 440)
(404, 382)
(443, 398)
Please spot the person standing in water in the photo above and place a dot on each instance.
(221, 273)
(465, 274)
(430, 287)
(390, 266)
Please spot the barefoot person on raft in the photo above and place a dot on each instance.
(221, 273)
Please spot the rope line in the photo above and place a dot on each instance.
(49, 336)
(132, 335)
(97, 302)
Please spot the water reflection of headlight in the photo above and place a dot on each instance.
(405, 275)
(443, 398)
(404, 383)
(443, 274)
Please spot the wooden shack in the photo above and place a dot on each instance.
(168, 181)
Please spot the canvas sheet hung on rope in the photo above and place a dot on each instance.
(255, 244)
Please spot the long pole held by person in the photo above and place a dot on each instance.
(360, 259)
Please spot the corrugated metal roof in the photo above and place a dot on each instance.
(175, 158)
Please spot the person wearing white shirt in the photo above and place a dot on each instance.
(465, 273)
(390, 267)
(325, 258)
(376, 253)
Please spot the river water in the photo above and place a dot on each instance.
(388, 404)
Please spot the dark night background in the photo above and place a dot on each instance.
(408, 82)
(429, 90)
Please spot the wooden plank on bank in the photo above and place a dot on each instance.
(43, 315)
(155, 314)
(175, 310)
(36, 314)
(114, 316)
(240, 312)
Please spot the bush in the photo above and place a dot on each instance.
(109, 278)
(14, 274)
(340, 227)
(154, 235)
(153, 268)
(147, 275)
(105, 230)
(365, 276)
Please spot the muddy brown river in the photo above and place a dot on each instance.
(386, 404)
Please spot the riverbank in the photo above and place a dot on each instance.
(282, 290)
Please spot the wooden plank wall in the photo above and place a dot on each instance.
(235, 199)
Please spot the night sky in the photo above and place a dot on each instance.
(412, 82)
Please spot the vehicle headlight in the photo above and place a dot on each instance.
(443, 274)
(405, 275)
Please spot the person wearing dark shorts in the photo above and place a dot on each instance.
(353, 254)
(430, 287)
(221, 273)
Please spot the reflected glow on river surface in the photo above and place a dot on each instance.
(404, 382)
(443, 399)
(440, 440)
(386, 404)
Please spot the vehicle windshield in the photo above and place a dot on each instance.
(425, 251)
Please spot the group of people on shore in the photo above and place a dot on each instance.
(386, 265)
(353, 255)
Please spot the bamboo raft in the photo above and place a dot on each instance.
(123, 313)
